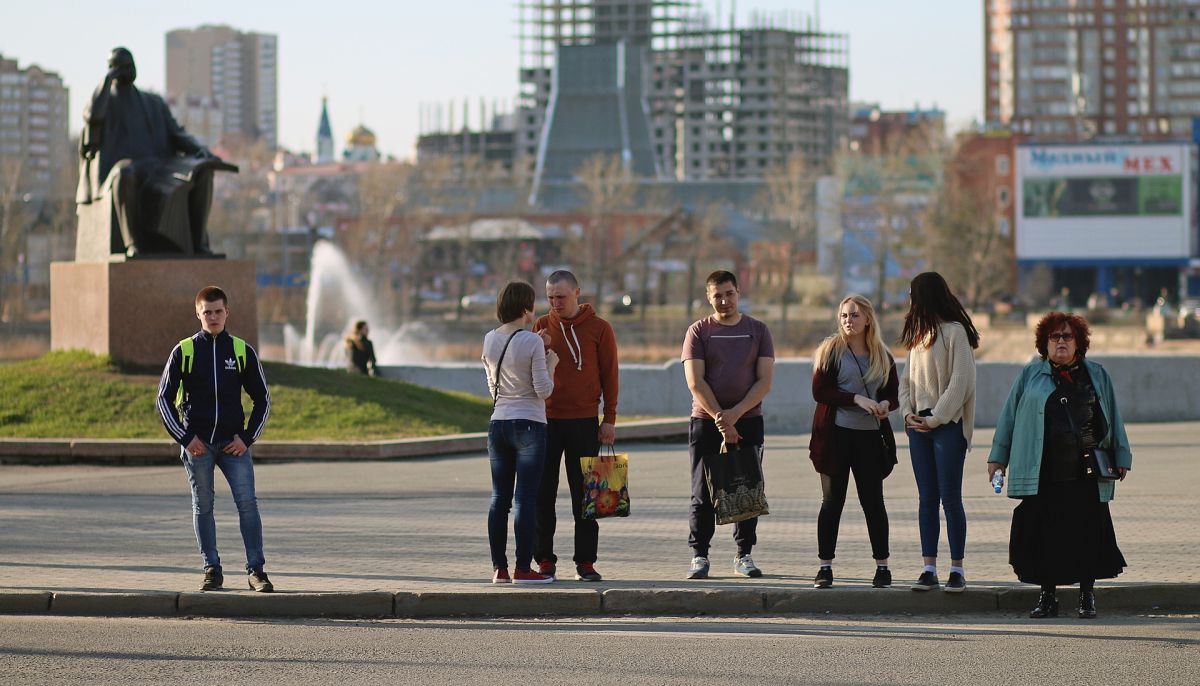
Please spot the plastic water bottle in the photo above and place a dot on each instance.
(998, 481)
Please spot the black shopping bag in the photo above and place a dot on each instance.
(735, 482)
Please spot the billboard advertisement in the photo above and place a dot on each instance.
(1104, 202)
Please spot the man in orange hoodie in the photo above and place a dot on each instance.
(588, 349)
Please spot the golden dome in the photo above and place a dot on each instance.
(361, 136)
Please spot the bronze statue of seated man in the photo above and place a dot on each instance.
(142, 169)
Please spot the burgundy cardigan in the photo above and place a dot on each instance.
(825, 391)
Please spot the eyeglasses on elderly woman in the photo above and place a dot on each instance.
(1064, 337)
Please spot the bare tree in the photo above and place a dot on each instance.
(703, 229)
(381, 238)
(789, 199)
(240, 201)
(889, 194)
(608, 189)
(962, 237)
(13, 224)
(469, 186)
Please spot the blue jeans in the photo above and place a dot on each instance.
(517, 448)
(239, 472)
(937, 459)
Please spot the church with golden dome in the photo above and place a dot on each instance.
(360, 145)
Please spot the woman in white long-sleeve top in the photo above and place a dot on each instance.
(520, 376)
(937, 401)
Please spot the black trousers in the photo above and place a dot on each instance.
(705, 439)
(576, 438)
(857, 451)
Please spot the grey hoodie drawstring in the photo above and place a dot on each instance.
(577, 351)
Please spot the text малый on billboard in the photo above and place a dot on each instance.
(1101, 160)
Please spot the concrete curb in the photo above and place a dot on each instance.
(519, 602)
(502, 602)
(225, 604)
(115, 604)
(149, 451)
(895, 600)
(24, 602)
(663, 601)
(1141, 598)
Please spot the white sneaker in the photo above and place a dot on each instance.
(744, 566)
(699, 568)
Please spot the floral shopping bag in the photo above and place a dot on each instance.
(605, 485)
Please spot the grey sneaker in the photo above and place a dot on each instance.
(699, 568)
(744, 566)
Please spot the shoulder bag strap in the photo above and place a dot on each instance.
(866, 389)
(496, 374)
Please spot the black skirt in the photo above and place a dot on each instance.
(1064, 535)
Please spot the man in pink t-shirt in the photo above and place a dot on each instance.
(729, 361)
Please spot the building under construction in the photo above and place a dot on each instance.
(715, 101)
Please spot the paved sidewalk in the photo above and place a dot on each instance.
(419, 526)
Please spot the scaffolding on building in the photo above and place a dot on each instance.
(726, 101)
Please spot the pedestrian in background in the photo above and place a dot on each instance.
(1061, 408)
(937, 401)
(855, 386)
(520, 376)
(578, 335)
(360, 352)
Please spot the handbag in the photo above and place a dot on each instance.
(605, 485)
(1098, 463)
(888, 454)
(1101, 465)
(735, 482)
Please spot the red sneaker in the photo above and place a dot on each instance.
(546, 568)
(528, 576)
(501, 577)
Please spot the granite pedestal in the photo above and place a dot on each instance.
(137, 310)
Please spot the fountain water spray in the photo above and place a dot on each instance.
(333, 286)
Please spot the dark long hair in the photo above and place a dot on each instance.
(930, 304)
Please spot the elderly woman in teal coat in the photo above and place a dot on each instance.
(1061, 407)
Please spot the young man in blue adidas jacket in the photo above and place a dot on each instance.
(203, 380)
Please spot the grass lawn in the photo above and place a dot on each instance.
(79, 395)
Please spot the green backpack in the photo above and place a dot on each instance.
(188, 348)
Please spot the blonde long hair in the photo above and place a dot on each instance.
(831, 349)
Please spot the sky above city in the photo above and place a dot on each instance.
(379, 61)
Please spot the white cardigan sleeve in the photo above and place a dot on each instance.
(961, 387)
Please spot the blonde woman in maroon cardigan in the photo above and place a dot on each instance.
(855, 386)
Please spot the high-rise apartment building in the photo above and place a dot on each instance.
(201, 116)
(238, 70)
(1084, 69)
(723, 101)
(34, 143)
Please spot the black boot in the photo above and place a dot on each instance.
(1047, 606)
(1087, 604)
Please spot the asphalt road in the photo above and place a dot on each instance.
(625, 651)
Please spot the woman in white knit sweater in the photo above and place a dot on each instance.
(937, 401)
